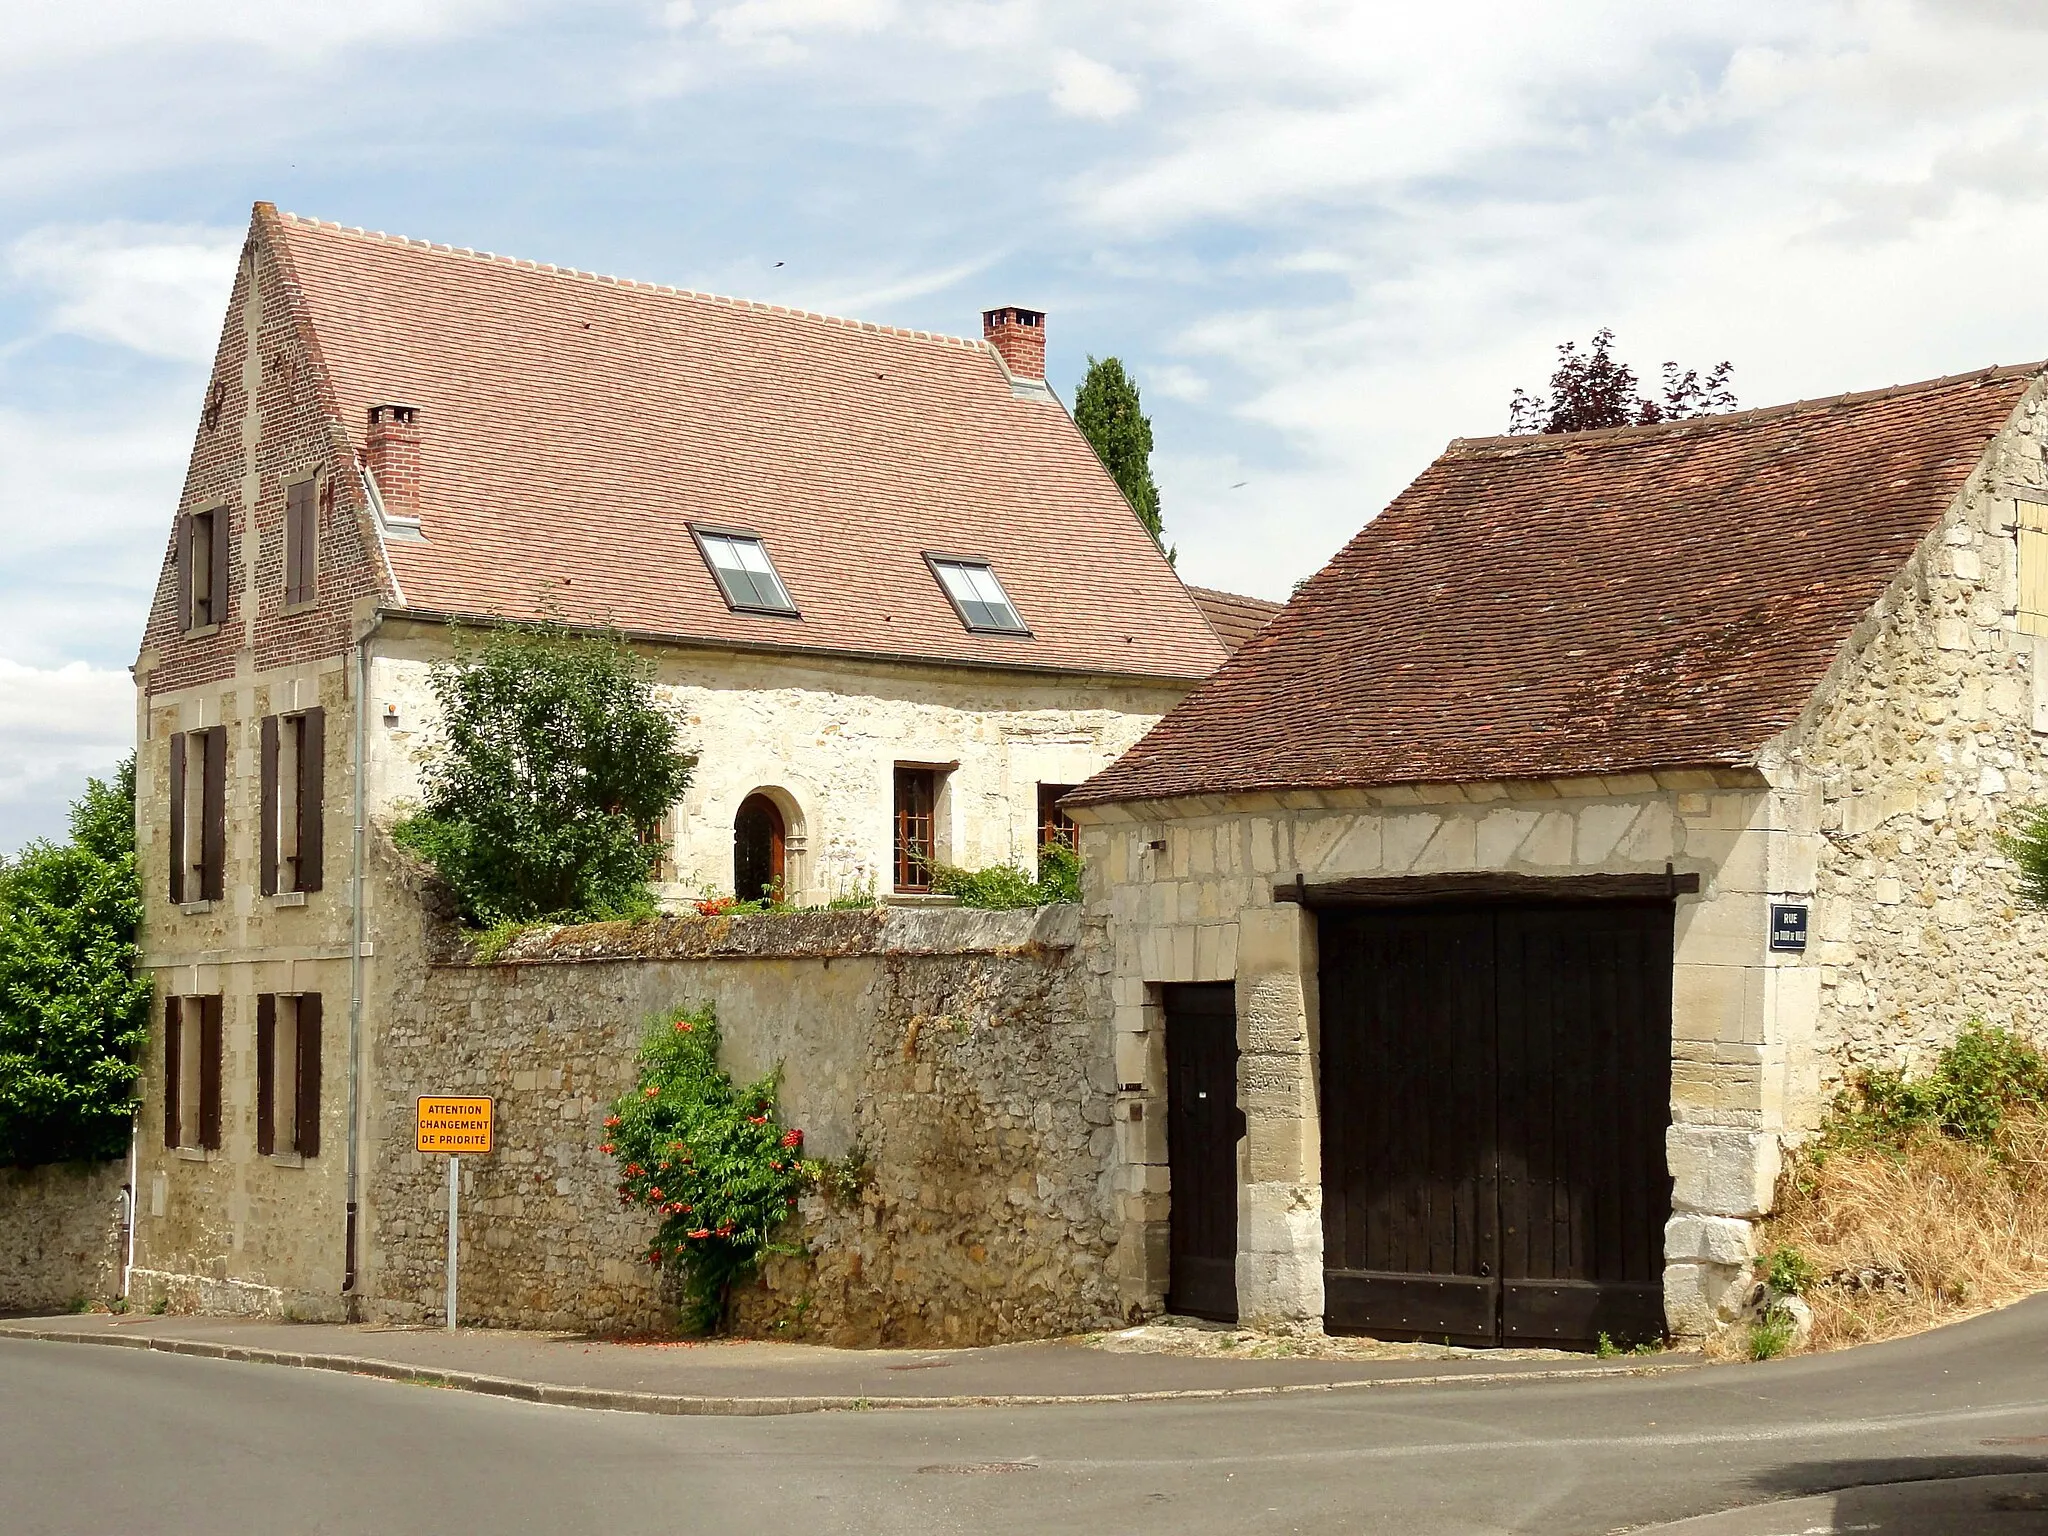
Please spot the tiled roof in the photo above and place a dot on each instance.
(1234, 617)
(573, 425)
(1593, 603)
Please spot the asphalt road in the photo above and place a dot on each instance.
(100, 1440)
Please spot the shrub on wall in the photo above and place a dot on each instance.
(1007, 886)
(73, 1013)
(706, 1156)
(554, 761)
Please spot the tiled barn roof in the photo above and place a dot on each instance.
(574, 425)
(1234, 617)
(1592, 603)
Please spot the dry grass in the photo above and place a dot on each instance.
(1968, 1227)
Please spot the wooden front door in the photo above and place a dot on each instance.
(1203, 1127)
(1495, 1087)
(757, 843)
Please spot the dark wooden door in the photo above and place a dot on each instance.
(1203, 1126)
(757, 842)
(1495, 1086)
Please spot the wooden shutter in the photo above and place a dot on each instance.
(181, 556)
(209, 1072)
(309, 1074)
(220, 567)
(177, 818)
(213, 829)
(266, 1074)
(267, 872)
(2033, 541)
(295, 498)
(312, 777)
(174, 1029)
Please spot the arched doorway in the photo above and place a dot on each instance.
(757, 849)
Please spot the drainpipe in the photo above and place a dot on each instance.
(128, 1201)
(355, 962)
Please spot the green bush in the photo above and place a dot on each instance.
(1006, 886)
(553, 760)
(707, 1157)
(1771, 1335)
(1985, 1074)
(1788, 1273)
(73, 1013)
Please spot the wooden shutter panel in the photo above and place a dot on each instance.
(181, 556)
(177, 818)
(174, 1029)
(294, 538)
(266, 1074)
(312, 779)
(267, 873)
(213, 831)
(309, 1074)
(220, 566)
(209, 1073)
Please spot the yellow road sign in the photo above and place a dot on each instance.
(461, 1126)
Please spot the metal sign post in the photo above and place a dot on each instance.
(455, 1126)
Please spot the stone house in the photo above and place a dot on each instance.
(898, 601)
(1485, 930)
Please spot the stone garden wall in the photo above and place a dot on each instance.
(60, 1235)
(966, 1053)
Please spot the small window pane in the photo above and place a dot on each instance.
(981, 599)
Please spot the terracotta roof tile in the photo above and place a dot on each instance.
(1584, 604)
(1234, 617)
(574, 424)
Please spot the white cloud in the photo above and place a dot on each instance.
(1084, 87)
(58, 725)
(159, 290)
(42, 34)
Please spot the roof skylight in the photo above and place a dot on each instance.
(745, 574)
(977, 596)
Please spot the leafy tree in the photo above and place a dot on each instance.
(1110, 415)
(555, 759)
(73, 1012)
(1591, 390)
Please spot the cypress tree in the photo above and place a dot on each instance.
(1110, 415)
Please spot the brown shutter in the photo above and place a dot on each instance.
(177, 818)
(209, 1072)
(267, 875)
(173, 1030)
(181, 555)
(266, 1074)
(220, 566)
(294, 538)
(309, 1074)
(312, 809)
(213, 830)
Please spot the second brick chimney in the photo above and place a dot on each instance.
(394, 458)
(1018, 335)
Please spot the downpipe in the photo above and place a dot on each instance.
(355, 969)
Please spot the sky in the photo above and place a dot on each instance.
(1326, 238)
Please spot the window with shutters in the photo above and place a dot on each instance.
(2033, 537)
(301, 543)
(203, 568)
(288, 1075)
(192, 1073)
(293, 773)
(198, 840)
(917, 826)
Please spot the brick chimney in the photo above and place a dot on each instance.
(394, 457)
(1018, 335)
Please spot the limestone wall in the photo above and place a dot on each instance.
(967, 1053)
(822, 738)
(1932, 733)
(60, 1235)
(1187, 887)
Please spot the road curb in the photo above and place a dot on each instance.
(745, 1407)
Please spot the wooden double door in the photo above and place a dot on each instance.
(1495, 1088)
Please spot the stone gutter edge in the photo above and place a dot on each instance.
(747, 1407)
